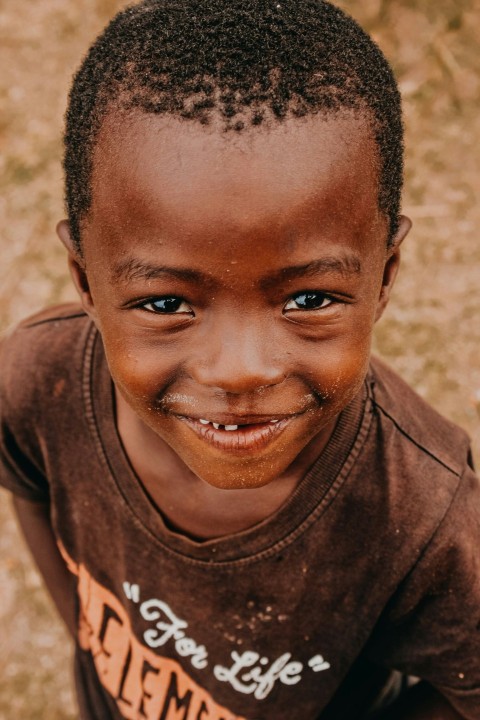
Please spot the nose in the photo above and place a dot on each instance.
(238, 355)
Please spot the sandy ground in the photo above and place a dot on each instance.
(431, 333)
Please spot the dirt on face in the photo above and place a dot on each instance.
(430, 333)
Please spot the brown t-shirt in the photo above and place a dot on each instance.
(372, 564)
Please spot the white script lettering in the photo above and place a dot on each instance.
(170, 627)
(258, 680)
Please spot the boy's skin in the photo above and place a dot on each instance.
(248, 223)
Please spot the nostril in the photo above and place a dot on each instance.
(235, 380)
(238, 361)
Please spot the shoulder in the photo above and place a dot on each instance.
(43, 350)
(49, 317)
(58, 321)
(421, 430)
(41, 371)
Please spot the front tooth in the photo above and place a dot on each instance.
(216, 426)
(204, 422)
(272, 422)
(231, 427)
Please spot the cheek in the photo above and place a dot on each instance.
(140, 376)
(340, 369)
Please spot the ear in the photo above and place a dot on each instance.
(392, 264)
(76, 265)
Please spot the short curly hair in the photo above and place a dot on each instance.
(246, 62)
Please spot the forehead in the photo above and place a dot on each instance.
(156, 170)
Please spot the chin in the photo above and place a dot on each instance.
(241, 479)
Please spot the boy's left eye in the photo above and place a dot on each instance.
(167, 306)
(309, 301)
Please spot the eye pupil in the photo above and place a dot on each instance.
(167, 304)
(309, 300)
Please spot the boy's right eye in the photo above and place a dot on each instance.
(168, 305)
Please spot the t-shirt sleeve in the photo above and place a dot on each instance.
(21, 461)
(18, 473)
(432, 627)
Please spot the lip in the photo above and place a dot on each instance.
(250, 436)
(239, 419)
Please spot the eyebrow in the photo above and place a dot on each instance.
(345, 265)
(132, 269)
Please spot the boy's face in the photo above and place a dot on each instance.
(236, 280)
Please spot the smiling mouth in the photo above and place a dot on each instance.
(239, 438)
(230, 428)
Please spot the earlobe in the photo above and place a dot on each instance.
(392, 265)
(77, 269)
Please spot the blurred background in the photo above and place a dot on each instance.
(430, 334)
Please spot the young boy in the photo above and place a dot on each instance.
(236, 512)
